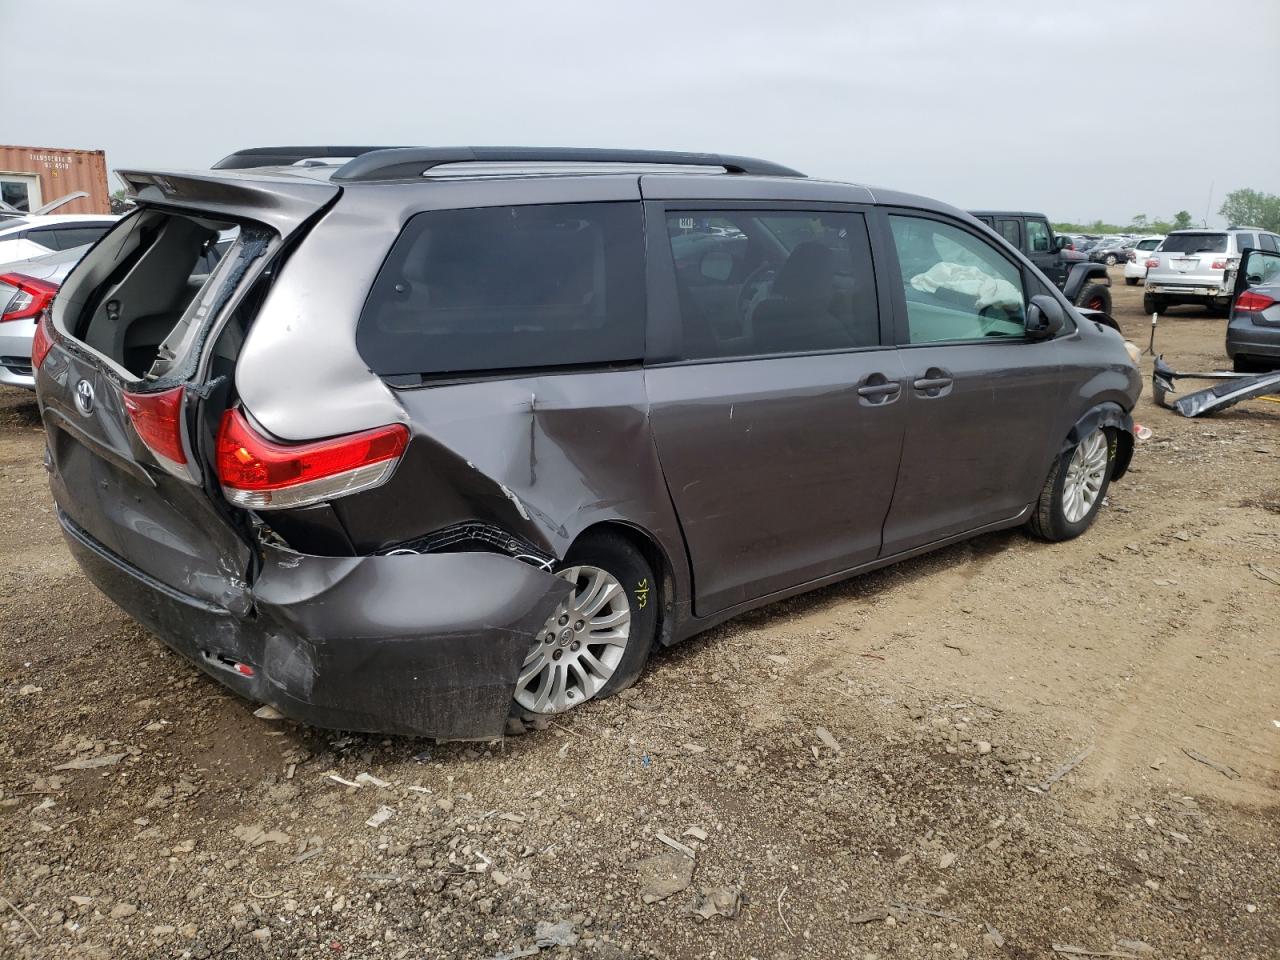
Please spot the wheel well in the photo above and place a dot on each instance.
(657, 558)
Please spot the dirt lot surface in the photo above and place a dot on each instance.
(989, 751)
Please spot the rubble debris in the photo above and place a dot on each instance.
(1222, 768)
(873, 915)
(382, 815)
(716, 902)
(663, 875)
(268, 712)
(368, 779)
(559, 934)
(1266, 573)
(1082, 952)
(1066, 768)
(92, 763)
(830, 742)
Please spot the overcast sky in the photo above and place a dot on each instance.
(1107, 108)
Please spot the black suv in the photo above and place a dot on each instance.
(1085, 284)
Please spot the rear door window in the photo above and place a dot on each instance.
(764, 282)
(500, 288)
(1037, 236)
(1195, 243)
(1009, 230)
(69, 237)
(1148, 244)
(1267, 242)
(956, 286)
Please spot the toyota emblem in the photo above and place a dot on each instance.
(84, 397)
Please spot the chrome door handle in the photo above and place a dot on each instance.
(879, 389)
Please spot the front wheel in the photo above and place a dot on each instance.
(596, 642)
(1095, 296)
(1074, 490)
(1153, 304)
(1111, 259)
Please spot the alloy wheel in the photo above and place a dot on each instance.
(1085, 475)
(580, 646)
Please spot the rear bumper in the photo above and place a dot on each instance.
(1252, 340)
(1132, 270)
(421, 645)
(1181, 286)
(15, 353)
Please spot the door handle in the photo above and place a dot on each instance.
(936, 382)
(931, 383)
(879, 389)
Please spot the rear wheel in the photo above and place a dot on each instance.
(1241, 364)
(1095, 296)
(1111, 259)
(1131, 281)
(1074, 490)
(596, 643)
(1153, 304)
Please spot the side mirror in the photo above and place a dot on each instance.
(1045, 317)
(1062, 243)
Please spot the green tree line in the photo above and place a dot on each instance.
(1245, 207)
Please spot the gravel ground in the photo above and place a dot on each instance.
(989, 751)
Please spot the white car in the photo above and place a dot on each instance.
(27, 236)
(1135, 268)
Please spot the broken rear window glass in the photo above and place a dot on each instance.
(1195, 243)
(501, 288)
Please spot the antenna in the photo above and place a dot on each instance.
(1204, 222)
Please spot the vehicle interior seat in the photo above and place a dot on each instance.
(797, 315)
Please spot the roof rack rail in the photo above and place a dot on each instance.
(402, 163)
(287, 156)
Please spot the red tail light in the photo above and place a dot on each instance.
(42, 342)
(31, 299)
(1153, 263)
(1254, 301)
(157, 417)
(1224, 264)
(262, 474)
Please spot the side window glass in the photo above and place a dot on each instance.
(1009, 230)
(1261, 267)
(46, 238)
(1244, 240)
(499, 288)
(1037, 236)
(1268, 242)
(957, 286)
(755, 283)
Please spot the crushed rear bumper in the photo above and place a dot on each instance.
(420, 644)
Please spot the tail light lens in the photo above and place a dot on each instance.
(1224, 263)
(261, 474)
(29, 300)
(43, 341)
(158, 420)
(1253, 301)
(1153, 263)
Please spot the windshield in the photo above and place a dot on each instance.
(1195, 243)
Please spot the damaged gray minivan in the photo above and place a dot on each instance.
(452, 432)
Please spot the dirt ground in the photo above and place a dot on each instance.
(875, 770)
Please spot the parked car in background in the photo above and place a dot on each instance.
(27, 288)
(428, 458)
(1135, 264)
(1253, 332)
(1109, 252)
(1199, 266)
(28, 237)
(1085, 284)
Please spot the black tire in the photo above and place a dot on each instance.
(1131, 281)
(1241, 364)
(1048, 520)
(618, 556)
(1153, 304)
(1111, 259)
(1095, 296)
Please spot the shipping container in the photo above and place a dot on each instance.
(33, 176)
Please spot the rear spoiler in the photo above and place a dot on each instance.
(282, 203)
